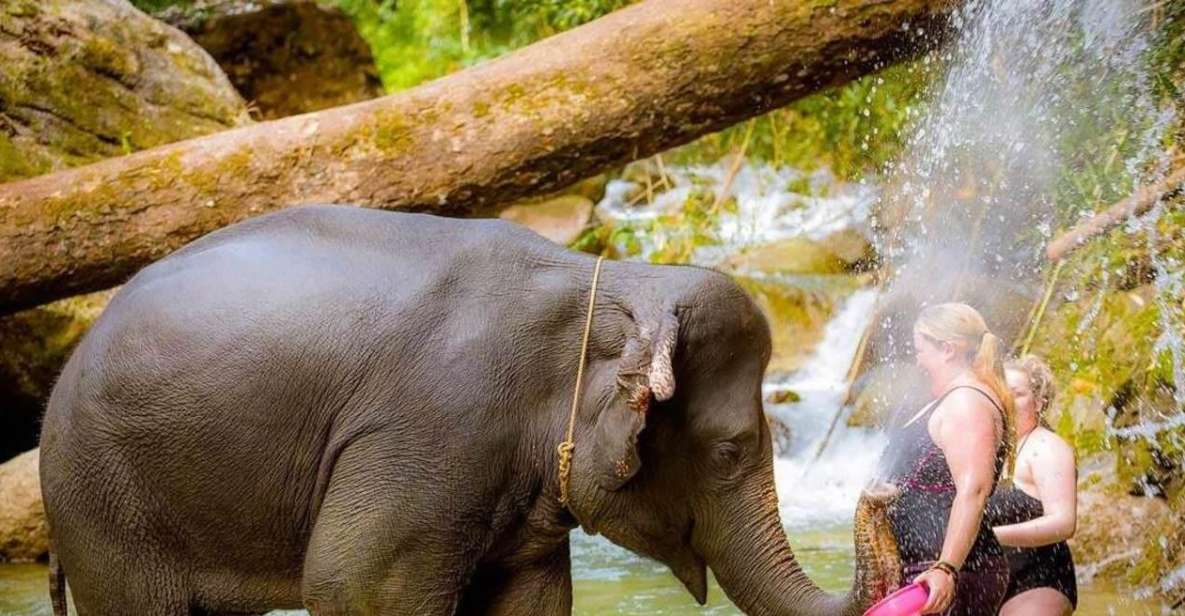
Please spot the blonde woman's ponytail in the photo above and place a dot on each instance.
(988, 366)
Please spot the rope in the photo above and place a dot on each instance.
(565, 448)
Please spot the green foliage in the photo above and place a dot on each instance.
(854, 129)
(152, 6)
(672, 237)
(414, 41)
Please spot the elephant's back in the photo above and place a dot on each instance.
(278, 319)
(250, 306)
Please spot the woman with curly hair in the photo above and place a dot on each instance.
(1038, 513)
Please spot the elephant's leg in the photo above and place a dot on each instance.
(540, 588)
(381, 543)
(150, 591)
(119, 572)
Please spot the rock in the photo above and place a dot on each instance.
(796, 318)
(1169, 551)
(85, 80)
(853, 248)
(796, 255)
(592, 188)
(1004, 306)
(285, 56)
(884, 391)
(1114, 528)
(91, 79)
(24, 532)
(560, 219)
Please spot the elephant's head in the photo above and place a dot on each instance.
(674, 457)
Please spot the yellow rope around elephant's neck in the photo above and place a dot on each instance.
(565, 448)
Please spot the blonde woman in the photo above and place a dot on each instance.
(946, 460)
(1036, 516)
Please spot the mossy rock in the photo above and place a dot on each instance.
(1101, 349)
(797, 315)
(86, 79)
(783, 396)
(1120, 536)
(796, 255)
(1003, 305)
(853, 248)
(886, 391)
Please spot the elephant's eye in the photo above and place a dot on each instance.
(726, 457)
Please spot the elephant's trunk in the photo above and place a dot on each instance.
(756, 567)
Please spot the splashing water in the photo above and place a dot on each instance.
(816, 489)
(1034, 94)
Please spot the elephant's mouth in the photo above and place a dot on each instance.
(689, 567)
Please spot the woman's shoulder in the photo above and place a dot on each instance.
(972, 393)
(1046, 440)
(966, 404)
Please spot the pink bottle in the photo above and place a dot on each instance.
(905, 601)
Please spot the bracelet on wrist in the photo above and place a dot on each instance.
(946, 568)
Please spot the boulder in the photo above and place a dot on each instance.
(560, 219)
(795, 255)
(884, 391)
(1115, 528)
(796, 315)
(23, 530)
(783, 396)
(1004, 305)
(853, 248)
(285, 56)
(91, 79)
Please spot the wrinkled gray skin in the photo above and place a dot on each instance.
(358, 411)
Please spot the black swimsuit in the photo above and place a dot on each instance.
(920, 515)
(1049, 566)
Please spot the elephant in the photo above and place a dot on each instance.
(357, 411)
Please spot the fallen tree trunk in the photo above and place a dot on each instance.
(651, 76)
(1100, 223)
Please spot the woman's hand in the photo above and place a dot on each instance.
(941, 586)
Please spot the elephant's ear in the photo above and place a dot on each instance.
(644, 372)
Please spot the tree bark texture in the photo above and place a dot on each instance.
(648, 77)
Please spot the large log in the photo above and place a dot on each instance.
(648, 77)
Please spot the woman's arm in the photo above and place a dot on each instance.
(967, 436)
(1056, 479)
